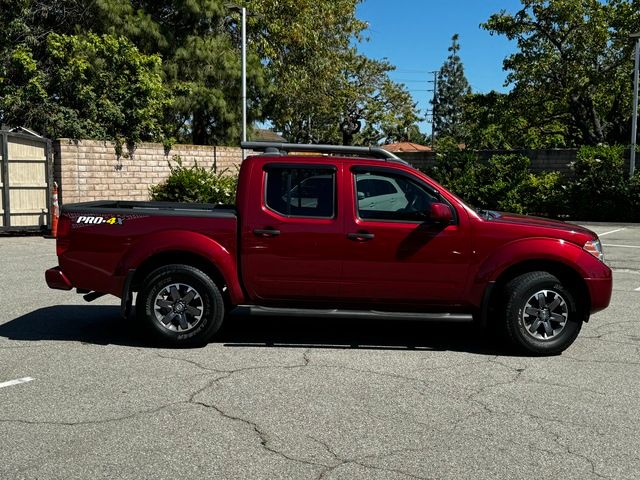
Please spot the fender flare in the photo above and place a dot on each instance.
(526, 250)
(191, 242)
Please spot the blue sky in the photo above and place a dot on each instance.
(414, 35)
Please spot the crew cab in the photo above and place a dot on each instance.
(327, 233)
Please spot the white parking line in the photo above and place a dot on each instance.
(620, 246)
(612, 231)
(637, 289)
(17, 381)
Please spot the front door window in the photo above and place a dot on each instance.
(388, 197)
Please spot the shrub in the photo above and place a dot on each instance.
(634, 197)
(503, 178)
(195, 184)
(501, 183)
(458, 171)
(545, 194)
(598, 189)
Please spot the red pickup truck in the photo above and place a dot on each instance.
(333, 233)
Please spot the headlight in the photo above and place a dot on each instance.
(594, 247)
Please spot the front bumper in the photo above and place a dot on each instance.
(600, 290)
(56, 279)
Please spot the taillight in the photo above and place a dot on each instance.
(63, 240)
(594, 247)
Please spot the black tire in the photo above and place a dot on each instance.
(172, 313)
(528, 327)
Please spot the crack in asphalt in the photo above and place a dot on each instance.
(360, 461)
(518, 373)
(262, 435)
(92, 422)
(472, 396)
(536, 418)
(556, 439)
(260, 432)
(306, 363)
(325, 468)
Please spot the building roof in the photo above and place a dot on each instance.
(264, 135)
(406, 147)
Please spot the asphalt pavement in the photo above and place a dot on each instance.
(84, 395)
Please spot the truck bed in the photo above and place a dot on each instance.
(100, 242)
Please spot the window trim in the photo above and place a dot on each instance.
(301, 166)
(355, 169)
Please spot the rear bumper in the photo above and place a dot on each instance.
(56, 279)
(600, 292)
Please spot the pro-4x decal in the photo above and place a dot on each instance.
(82, 220)
(98, 220)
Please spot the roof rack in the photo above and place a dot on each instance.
(276, 148)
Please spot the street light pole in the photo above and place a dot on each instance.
(634, 118)
(244, 76)
(243, 11)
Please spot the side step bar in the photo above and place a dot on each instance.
(337, 313)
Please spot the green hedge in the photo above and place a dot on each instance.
(598, 189)
(195, 184)
(503, 183)
(601, 189)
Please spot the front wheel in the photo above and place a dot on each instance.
(180, 305)
(541, 315)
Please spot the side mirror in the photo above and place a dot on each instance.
(440, 213)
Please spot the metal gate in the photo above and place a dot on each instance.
(25, 180)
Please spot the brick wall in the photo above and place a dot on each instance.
(88, 170)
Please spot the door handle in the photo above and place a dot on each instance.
(266, 232)
(360, 236)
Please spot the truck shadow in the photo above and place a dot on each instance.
(351, 333)
(102, 325)
(92, 324)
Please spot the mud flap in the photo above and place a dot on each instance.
(126, 301)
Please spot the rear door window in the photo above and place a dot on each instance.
(301, 191)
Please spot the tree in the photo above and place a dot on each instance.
(452, 87)
(323, 90)
(382, 110)
(303, 61)
(199, 42)
(310, 82)
(369, 106)
(574, 58)
(496, 121)
(86, 86)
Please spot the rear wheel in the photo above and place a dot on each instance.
(180, 305)
(540, 314)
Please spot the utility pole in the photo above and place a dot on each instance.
(433, 107)
(634, 117)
